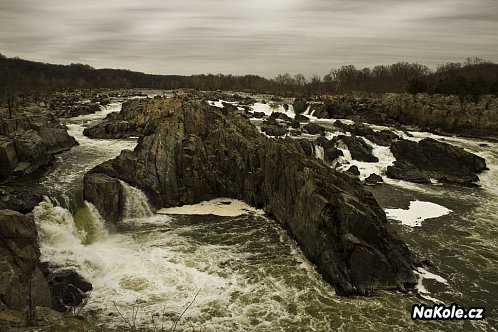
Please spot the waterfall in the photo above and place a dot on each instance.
(136, 203)
(319, 152)
(64, 236)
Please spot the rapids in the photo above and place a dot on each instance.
(243, 273)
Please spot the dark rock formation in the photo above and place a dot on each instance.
(301, 118)
(107, 195)
(373, 179)
(25, 295)
(19, 265)
(81, 109)
(353, 170)
(137, 117)
(259, 115)
(421, 161)
(67, 287)
(359, 149)
(29, 141)
(198, 153)
(281, 116)
(300, 106)
(383, 137)
(20, 199)
(332, 154)
(306, 146)
(314, 129)
(431, 112)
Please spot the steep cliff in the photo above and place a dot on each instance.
(198, 153)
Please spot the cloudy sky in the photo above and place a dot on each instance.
(263, 37)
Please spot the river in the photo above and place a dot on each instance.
(244, 273)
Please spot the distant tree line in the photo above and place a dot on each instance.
(19, 78)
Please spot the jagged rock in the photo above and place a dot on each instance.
(353, 170)
(301, 118)
(274, 130)
(359, 149)
(79, 109)
(300, 106)
(281, 116)
(373, 179)
(314, 129)
(259, 115)
(295, 124)
(446, 112)
(137, 117)
(307, 146)
(332, 154)
(198, 153)
(19, 198)
(68, 288)
(107, 195)
(384, 137)
(325, 143)
(19, 265)
(29, 142)
(431, 159)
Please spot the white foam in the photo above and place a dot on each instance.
(319, 152)
(219, 103)
(383, 153)
(219, 207)
(422, 290)
(417, 212)
(268, 109)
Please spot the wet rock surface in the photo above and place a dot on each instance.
(431, 159)
(29, 140)
(197, 153)
(434, 113)
(26, 297)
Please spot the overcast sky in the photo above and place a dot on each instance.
(263, 37)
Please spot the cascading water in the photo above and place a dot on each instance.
(247, 273)
(136, 204)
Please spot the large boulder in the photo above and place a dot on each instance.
(29, 142)
(107, 195)
(198, 153)
(432, 159)
(359, 149)
(20, 275)
(20, 199)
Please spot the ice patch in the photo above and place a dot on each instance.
(417, 212)
(225, 207)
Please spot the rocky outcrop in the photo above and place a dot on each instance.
(198, 153)
(20, 275)
(358, 148)
(137, 117)
(29, 141)
(20, 199)
(430, 159)
(439, 113)
(25, 294)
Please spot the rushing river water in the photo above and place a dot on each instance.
(244, 273)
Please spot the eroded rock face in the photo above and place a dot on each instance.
(431, 112)
(28, 142)
(198, 153)
(19, 264)
(431, 159)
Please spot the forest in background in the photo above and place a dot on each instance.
(474, 77)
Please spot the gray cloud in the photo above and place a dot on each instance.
(259, 36)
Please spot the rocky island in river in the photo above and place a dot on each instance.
(303, 162)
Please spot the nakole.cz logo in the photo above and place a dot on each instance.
(442, 312)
